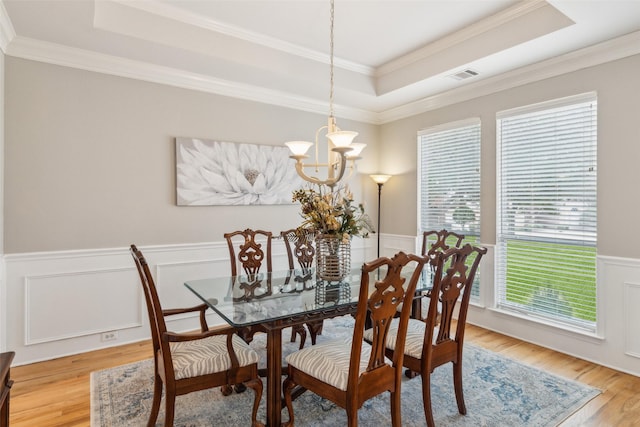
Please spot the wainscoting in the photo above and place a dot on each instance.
(61, 303)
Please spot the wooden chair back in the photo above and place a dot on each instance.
(444, 336)
(245, 248)
(442, 240)
(208, 374)
(383, 288)
(300, 247)
(377, 307)
(154, 310)
(455, 271)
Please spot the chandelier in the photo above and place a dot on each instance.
(340, 148)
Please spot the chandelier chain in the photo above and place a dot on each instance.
(331, 19)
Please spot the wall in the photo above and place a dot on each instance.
(617, 84)
(90, 159)
(90, 169)
(3, 299)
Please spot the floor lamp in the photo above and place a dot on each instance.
(380, 180)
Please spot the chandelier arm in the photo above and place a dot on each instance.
(317, 145)
(330, 182)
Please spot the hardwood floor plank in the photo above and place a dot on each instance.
(56, 393)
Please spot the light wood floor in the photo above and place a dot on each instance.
(56, 393)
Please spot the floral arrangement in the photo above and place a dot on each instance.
(327, 211)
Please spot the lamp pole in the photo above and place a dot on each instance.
(380, 180)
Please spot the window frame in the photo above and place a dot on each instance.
(501, 262)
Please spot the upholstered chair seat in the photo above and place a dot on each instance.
(329, 361)
(414, 340)
(208, 356)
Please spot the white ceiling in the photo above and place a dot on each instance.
(392, 57)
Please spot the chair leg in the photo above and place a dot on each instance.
(352, 414)
(457, 384)
(157, 397)
(256, 385)
(315, 329)
(396, 414)
(170, 406)
(287, 387)
(299, 330)
(426, 398)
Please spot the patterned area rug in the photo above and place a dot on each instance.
(498, 392)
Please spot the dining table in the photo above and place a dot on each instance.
(278, 300)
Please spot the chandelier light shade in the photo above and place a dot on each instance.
(299, 148)
(339, 143)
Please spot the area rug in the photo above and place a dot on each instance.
(498, 392)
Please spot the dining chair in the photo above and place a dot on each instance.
(187, 362)
(433, 242)
(301, 249)
(429, 343)
(442, 240)
(349, 372)
(246, 249)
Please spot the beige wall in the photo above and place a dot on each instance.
(90, 159)
(617, 84)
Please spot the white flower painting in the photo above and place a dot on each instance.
(225, 173)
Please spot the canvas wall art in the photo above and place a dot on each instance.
(211, 173)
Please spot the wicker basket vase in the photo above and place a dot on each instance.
(333, 257)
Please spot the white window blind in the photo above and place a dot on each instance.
(546, 243)
(449, 175)
(450, 178)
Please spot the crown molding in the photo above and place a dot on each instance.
(36, 50)
(26, 48)
(170, 12)
(7, 32)
(601, 53)
(469, 32)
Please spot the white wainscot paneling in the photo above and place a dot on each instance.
(632, 318)
(390, 244)
(73, 304)
(170, 279)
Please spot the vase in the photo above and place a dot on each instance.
(333, 257)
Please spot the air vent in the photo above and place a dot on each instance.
(464, 74)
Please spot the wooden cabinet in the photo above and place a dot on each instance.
(5, 369)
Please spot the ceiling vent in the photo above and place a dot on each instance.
(464, 74)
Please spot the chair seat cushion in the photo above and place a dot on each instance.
(329, 361)
(208, 355)
(413, 341)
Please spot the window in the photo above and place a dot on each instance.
(449, 181)
(546, 242)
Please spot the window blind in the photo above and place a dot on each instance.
(450, 178)
(449, 174)
(547, 229)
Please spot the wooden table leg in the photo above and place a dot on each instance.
(274, 377)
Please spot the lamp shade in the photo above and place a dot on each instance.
(299, 148)
(356, 149)
(380, 179)
(342, 138)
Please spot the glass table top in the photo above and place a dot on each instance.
(245, 300)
